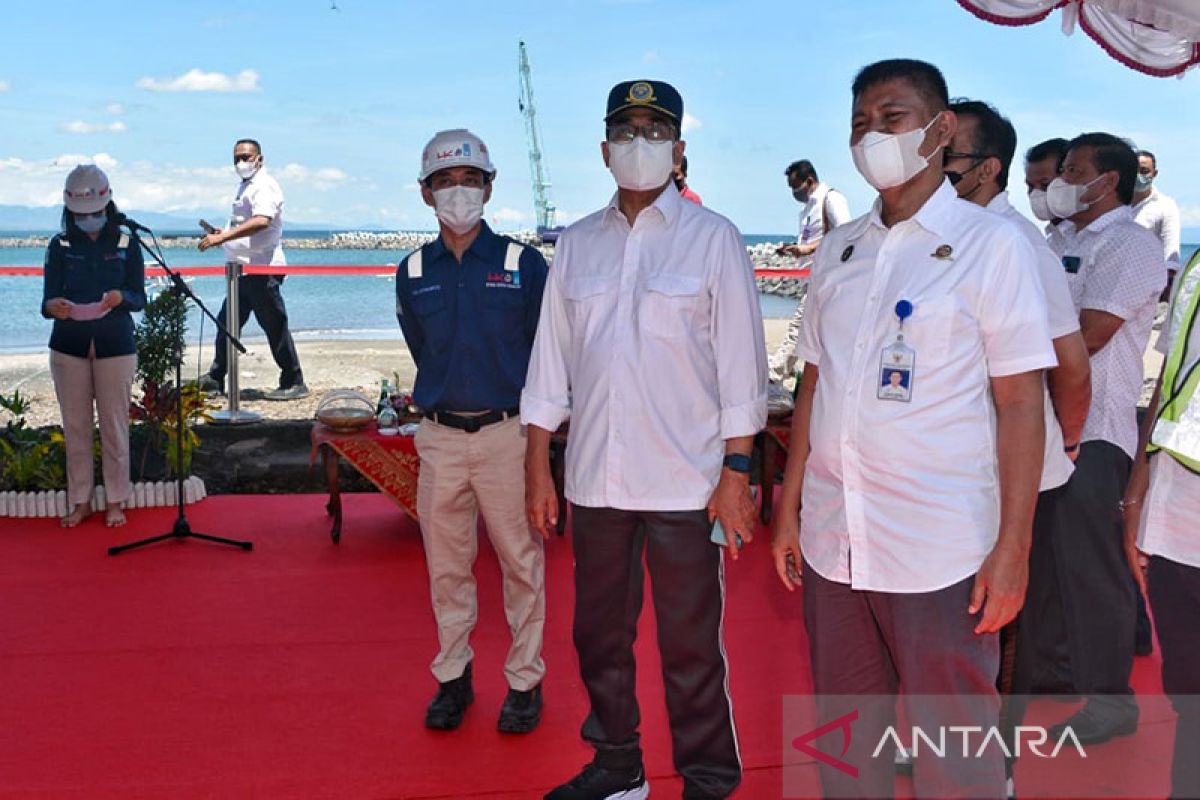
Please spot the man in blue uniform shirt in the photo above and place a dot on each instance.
(468, 304)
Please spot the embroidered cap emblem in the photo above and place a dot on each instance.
(641, 92)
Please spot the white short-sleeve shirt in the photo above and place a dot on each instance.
(826, 207)
(258, 196)
(905, 496)
(1159, 214)
(1170, 525)
(1063, 320)
(1115, 265)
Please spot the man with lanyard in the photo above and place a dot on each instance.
(1158, 213)
(824, 209)
(1163, 551)
(914, 531)
(468, 306)
(1116, 271)
(254, 237)
(651, 342)
(977, 163)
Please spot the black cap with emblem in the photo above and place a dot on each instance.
(656, 95)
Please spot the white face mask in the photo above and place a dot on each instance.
(1066, 199)
(246, 169)
(641, 165)
(1037, 204)
(459, 207)
(890, 159)
(90, 223)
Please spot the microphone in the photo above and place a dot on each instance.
(132, 224)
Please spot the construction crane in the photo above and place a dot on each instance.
(543, 206)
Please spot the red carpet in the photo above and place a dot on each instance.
(299, 670)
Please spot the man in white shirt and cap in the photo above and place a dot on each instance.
(913, 536)
(651, 342)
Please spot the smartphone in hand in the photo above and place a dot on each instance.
(207, 228)
(718, 530)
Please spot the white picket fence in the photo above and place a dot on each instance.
(54, 503)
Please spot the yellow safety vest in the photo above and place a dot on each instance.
(1177, 425)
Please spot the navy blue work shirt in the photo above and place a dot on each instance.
(470, 326)
(82, 270)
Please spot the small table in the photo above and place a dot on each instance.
(389, 462)
(392, 464)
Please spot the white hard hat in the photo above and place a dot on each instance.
(456, 148)
(87, 190)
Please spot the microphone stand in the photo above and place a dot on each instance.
(182, 529)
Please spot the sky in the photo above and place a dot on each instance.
(343, 99)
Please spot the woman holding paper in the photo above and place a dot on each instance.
(94, 279)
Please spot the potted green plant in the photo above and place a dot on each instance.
(156, 431)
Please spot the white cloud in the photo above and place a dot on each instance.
(195, 80)
(115, 109)
(78, 126)
(4, 86)
(510, 216)
(1189, 215)
(321, 179)
(147, 185)
(649, 56)
(690, 123)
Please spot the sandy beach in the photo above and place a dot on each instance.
(328, 365)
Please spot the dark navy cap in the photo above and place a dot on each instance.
(655, 95)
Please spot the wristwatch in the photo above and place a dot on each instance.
(738, 463)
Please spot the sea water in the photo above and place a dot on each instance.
(319, 306)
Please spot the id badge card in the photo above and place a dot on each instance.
(897, 369)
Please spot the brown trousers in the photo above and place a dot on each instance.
(463, 474)
(104, 383)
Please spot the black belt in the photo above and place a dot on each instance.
(473, 423)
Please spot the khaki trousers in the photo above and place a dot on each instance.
(105, 383)
(462, 474)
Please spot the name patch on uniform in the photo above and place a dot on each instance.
(503, 280)
(426, 290)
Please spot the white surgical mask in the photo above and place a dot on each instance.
(1143, 183)
(641, 165)
(246, 169)
(1037, 204)
(459, 207)
(90, 223)
(1066, 199)
(890, 159)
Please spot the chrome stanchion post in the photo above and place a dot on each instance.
(232, 414)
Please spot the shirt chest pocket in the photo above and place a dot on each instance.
(670, 304)
(504, 312)
(930, 330)
(80, 279)
(587, 298)
(430, 308)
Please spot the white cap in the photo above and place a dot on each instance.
(87, 190)
(456, 148)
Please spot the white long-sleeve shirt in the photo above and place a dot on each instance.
(1159, 214)
(651, 342)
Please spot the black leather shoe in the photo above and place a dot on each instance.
(522, 711)
(1092, 726)
(445, 711)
